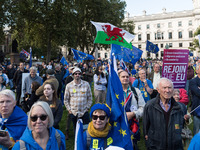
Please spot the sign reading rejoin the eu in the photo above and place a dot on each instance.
(175, 64)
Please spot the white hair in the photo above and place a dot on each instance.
(33, 68)
(46, 108)
(8, 93)
(164, 79)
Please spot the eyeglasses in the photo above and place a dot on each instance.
(95, 117)
(35, 118)
(77, 73)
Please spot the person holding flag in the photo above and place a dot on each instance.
(97, 135)
(134, 105)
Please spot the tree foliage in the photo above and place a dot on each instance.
(47, 24)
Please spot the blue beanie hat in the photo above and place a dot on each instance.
(102, 107)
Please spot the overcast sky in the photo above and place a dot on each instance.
(136, 7)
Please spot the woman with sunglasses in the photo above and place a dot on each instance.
(100, 82)
(98, 129)
(40, 133)
(50, 96)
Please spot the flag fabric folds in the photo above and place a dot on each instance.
(30, 60)
(115, 99)
(123, 66)
(78, 55)
(128, 55)
(78, 144)
(24, 54)
(63, 61)
(110, 34)
(152, 47)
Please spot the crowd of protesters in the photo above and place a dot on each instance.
(164, 111)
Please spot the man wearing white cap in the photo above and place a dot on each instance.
(78, 98)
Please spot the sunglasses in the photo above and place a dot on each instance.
(35, 118)
(77, 73)
(95, 117)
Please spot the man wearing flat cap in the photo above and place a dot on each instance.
(78, 98)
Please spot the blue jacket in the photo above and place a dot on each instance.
(97, 143)
(32, 145)
(195, 144)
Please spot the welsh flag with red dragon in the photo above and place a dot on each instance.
(110, 34)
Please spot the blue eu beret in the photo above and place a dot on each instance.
(102, 107)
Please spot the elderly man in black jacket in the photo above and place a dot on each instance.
(163, 120)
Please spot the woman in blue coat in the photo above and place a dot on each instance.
(40, 133)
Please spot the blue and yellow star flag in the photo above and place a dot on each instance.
(64, 61)
(128, 55)
(78, 55)
(115, 99)
(150, 47)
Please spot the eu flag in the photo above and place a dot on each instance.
(78, 55)
(63, 61)
(128, 55)
(79, 144)
(115, 99)
(152, 47)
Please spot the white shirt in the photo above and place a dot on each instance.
(156, 78)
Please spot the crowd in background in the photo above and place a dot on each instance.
(58, 84)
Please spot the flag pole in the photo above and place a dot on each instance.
(194, 109)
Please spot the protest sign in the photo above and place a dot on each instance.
(175, 64)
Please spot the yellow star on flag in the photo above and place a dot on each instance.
(120, 131)
(124, 132)
(132, 137)
(117, 96)
(122, 103)
(115, 124)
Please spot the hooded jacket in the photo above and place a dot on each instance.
(31, 144)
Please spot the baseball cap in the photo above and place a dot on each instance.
(76, 69)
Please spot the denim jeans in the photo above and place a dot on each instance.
(196, 125)
(11, 83)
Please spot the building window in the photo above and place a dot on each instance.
(148, 54)
(190, 22)
(190, 44)
(139, 46)
(169, 24)
(99, 55)
(156, 55)
(180, 44)
(148, 36)
(162, 53)
(139, 37)
(158, 25)
(161, 45)
(170, 45)
(139, 27)
(148, 26)
(170, 35)
(180, 36)
(106, 55)
(180, 23)
(162, 36)
(159, 35)
(155, 36)
(190, 34)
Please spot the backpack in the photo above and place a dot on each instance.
(58, 138)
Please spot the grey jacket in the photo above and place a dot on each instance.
(154, 126)
(28, 81)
